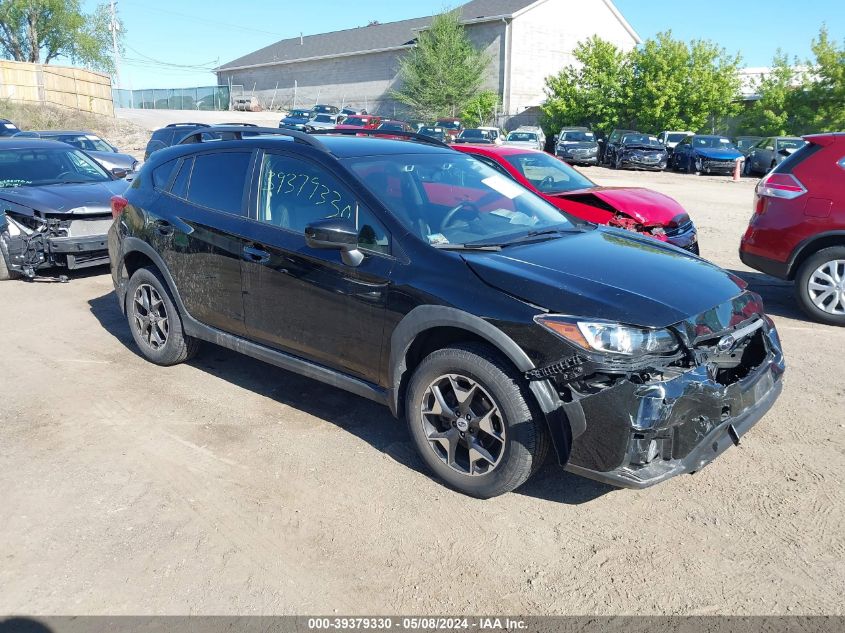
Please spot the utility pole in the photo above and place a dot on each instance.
(114, 27)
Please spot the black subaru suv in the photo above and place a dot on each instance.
(419, 277)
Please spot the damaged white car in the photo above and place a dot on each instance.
(55, 208)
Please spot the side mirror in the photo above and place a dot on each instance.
(335, 234)
(119, 172)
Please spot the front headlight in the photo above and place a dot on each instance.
(609, 337)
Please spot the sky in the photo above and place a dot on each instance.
(174, 43)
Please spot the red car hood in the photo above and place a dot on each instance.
(644, 205)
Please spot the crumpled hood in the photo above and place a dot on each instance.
(718, 154)
(83, 199)
(644, 205)
(608, 274)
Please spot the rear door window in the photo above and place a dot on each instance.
(218, 181)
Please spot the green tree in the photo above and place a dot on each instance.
(680, 86)
(481, 109)
(592, 92)
(774, 113)
(826, 89)
(40, 31)
(443, 72)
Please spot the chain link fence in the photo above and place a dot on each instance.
(200, 98)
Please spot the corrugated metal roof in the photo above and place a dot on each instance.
(366, 39)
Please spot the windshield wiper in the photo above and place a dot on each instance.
(468, 247)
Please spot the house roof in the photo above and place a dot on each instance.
(369, 39)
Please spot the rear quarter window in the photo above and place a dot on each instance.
(791, 162)
(163, 173)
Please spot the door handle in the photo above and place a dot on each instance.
(257, 255)
(163, 227)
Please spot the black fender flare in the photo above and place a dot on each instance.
(137, 245)
(807, 244)
(562, 426)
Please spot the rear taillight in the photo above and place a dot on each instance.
(784, 186)
(118, 205)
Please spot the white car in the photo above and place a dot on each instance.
(496, 135)
(671, 139)
(325, 121)
(528, 139)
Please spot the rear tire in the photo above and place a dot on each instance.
(498, 420)
(820, 286)
(155, 322)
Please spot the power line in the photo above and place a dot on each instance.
(226, 25)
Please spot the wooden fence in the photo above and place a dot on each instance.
(56, 85)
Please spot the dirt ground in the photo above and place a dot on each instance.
(226, 486)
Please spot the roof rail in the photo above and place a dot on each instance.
(193, 124)
(411, 136)
(241, 124)
(239, 132)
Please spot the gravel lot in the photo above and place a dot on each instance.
(226, 486)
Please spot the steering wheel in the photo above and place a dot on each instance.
(463, 206)
(547, 183)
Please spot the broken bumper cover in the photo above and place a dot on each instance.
(711, 445)
(638, 435)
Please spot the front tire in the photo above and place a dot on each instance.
(473, 421)
(155, 322)
(820, 286)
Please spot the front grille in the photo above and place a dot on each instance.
(719, 165)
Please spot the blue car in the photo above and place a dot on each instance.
(297, 120)
(705, 154)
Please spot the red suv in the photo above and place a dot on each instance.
(797, 231)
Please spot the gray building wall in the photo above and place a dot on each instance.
(360, 81)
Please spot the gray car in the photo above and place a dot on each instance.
(55, 207)
(770, 152)
(97, 148)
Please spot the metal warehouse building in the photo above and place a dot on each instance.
(526, 40)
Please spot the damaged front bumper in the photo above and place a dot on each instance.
(645, 426)
(35, 242)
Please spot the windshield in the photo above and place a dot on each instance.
(392, 127)
(324, 118)
(450, 125)
(522, 137)
(300, 114)
(431, 131)
(745, 143)
(87, 142)
(577, 137)
(549, 174)
(484, 134)
(712, 142)
(675, 138)
(356, 121)
(35, 167)
(451, 198)
(641, 139)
